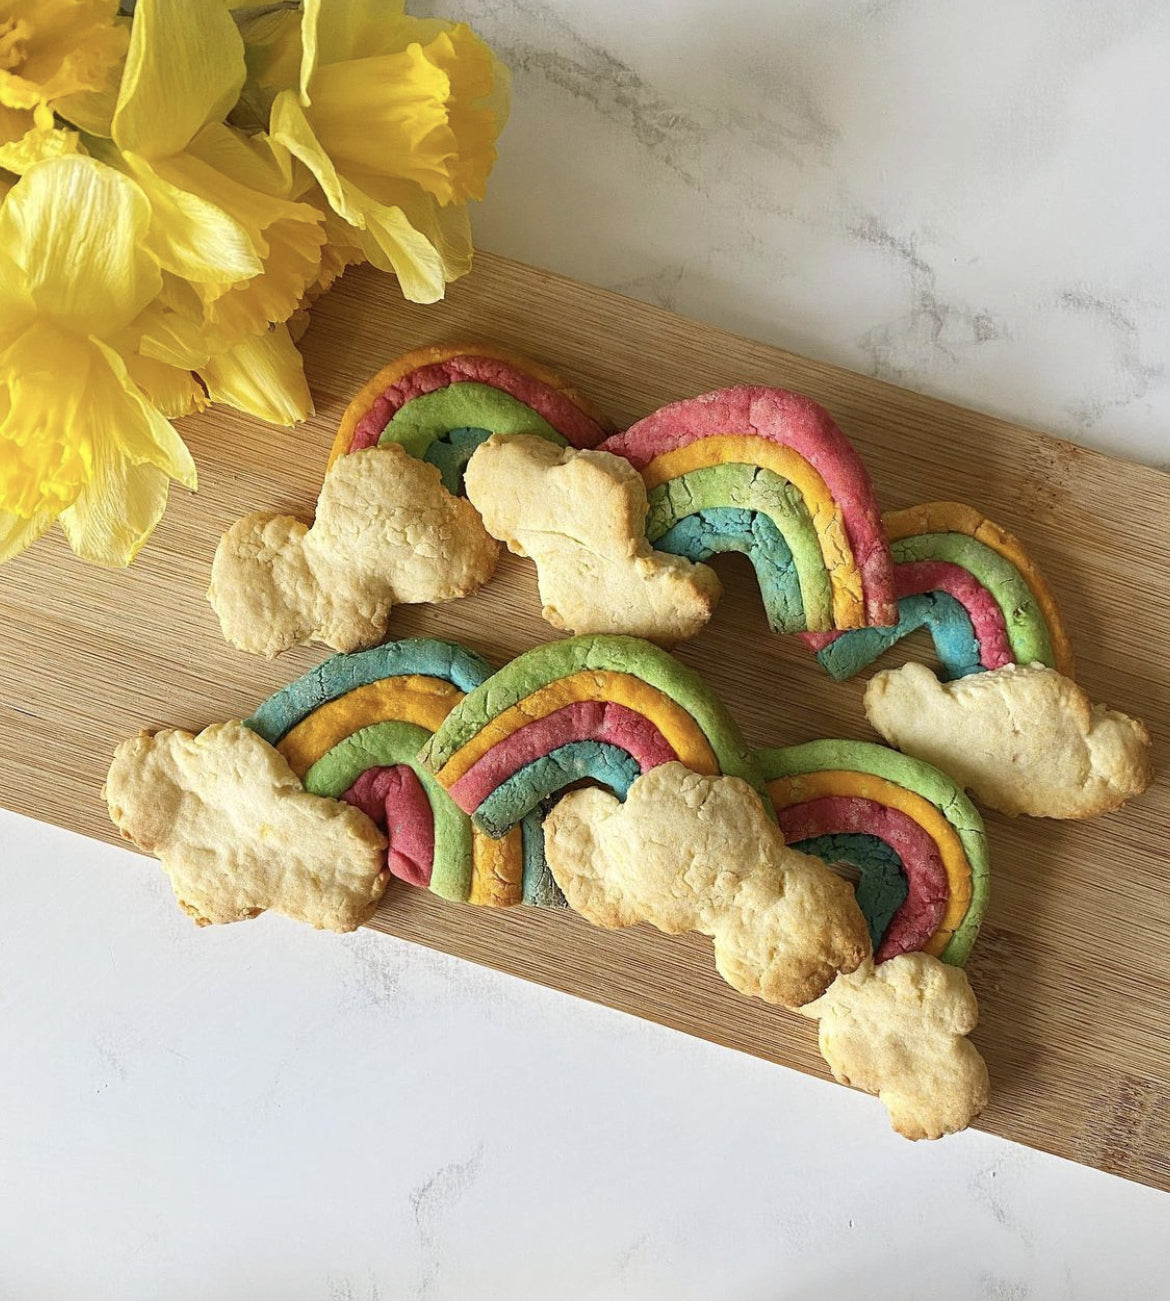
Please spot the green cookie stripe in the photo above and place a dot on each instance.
(469, 405)
(386, 745)
(914, 775)
(560, 659)
(752, 487)
(1027, 628)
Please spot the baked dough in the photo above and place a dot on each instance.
(1022, 738)
(581, 517)
(899, 1030)
(687, 852)
(387, 533)
(237, 833)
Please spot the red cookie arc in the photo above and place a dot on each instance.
(584, 720)
(394, 799)
(925, 904)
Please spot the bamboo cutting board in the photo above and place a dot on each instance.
(1072, 965)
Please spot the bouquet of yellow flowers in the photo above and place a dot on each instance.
(175, 189)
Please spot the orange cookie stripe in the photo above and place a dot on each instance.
(497, 869)
(827, 518)
(424, 701)
(956, 517)
(680, 730)
(434, 354)
(787, 791)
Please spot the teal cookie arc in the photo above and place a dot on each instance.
(882, 888)
(757, 489)
(720, 529)
(341, 674)
(529, 787)
(945, 618)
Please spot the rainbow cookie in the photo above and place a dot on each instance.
(441, 402)
(908, 829)
(767, 472)
(352, 729)
(607, 708)
(972, 585)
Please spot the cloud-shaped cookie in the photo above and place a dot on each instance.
(237, 833)
(1022, 739)
(581, 517)
(899, 1030)
(692, 853)
(387, 532)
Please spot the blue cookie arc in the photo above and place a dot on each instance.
(883, 887)
(341, 674)
(720, 529)
(451, 454)
(530, 786)
(941, 614)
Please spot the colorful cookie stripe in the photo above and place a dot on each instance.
(353, 727)
(601, 707)
(968, 582)
(831, 794)
(789, 438)
(764, 496)
(955, 517)
(441, 402)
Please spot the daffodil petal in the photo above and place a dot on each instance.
(120, 416)
(171, 329)
(117, 511)
(291, 129)
(175, 392)
(332, 30)
(263, 376)
(56, 47)
(15, 123)
(18, 533)
(39, 141)
(91, 111)
(192, 237)
(76, 229)
(393, 244)
(185, 68)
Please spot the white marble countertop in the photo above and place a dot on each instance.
(971, 199)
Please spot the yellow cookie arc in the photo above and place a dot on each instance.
(497, 866)
(955, 517)
(681, 731)
(497, 869)
(413, 698)
(786, 791)
(828, 521)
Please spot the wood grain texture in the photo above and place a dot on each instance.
(1072, 965)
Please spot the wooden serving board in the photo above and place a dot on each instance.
(1072, 965)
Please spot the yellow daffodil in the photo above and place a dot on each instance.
(79, 440)
(397, 119)
(236, 248)
(53, 48)
(27, 136)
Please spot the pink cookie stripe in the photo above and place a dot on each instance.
(584, 720)
(393, 797)
(926, 902)
(792, 421)
(914, 577)
(562, 413)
